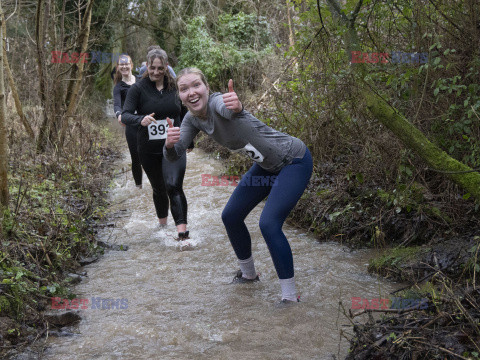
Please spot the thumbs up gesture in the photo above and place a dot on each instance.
(173, 134)
(231, 100)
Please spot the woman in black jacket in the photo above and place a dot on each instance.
(123, 80)
(154, 98)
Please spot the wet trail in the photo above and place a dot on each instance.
(180, 303)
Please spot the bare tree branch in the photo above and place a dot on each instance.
(338, 10)
(13, 86)
(356, 11)
(321, 19)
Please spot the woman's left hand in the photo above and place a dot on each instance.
(231, 100)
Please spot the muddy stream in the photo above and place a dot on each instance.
(179, 304)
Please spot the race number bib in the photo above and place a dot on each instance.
(158, 131)
(251, 152)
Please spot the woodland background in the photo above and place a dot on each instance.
(396, 146)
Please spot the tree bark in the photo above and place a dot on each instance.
(3, 137)
(291, 40)
(13, 87)
(396, 122)
(414, 139)
(44, 133)
(77, 70)
(58, 83)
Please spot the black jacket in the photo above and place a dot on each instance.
(119, 94)
(144, 98)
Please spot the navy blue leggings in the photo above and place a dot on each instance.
(283, 191)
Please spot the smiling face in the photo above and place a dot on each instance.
(156, 69)
(125, 66)
(193, 93)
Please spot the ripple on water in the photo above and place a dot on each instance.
(180, 303)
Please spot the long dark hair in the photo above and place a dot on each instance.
(162, 55)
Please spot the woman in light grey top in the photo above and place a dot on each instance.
(282, 169)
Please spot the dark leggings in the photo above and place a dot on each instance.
(288, 187)
(166, 179)
(131, 135)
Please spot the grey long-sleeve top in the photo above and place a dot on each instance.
(239, 132)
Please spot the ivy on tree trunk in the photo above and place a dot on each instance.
(395, 121)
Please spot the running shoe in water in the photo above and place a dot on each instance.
(183, 235)
(286, 301)
(238, 279)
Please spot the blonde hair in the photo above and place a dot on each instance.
(118, 76)
(192, 70)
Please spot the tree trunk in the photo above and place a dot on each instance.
(45, 127)
(414, 139)
(3, 137)
(396, 122)
(58, 83)
(77, 71)
(291, 40)
(13, 87)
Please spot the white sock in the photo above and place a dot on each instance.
(288, 289)
(248, 268)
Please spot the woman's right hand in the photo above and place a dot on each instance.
(148, 119)
(173, 134)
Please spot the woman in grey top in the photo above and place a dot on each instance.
(282, 169)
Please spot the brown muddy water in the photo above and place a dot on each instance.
(180, 305)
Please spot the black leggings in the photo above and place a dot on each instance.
(166, 179)
(131, 135)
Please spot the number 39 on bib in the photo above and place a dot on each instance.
(158, 131)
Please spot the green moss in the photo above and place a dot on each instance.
(5, 307)
(395, 257)
(384, 196)
(434, 211)
(414, 139)
(103, 82)
(14, 304)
